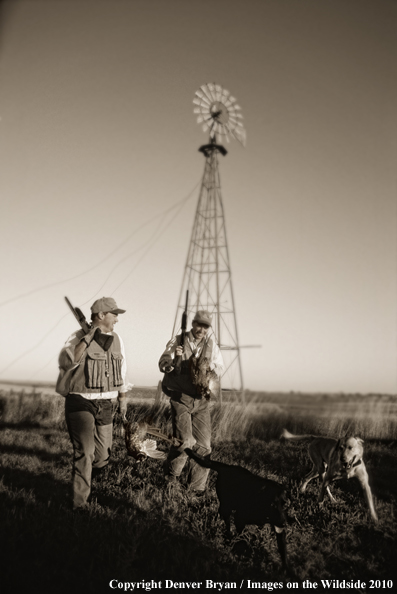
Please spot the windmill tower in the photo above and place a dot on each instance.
(207, 274)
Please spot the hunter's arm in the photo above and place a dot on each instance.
(166, 362)
(217, 364)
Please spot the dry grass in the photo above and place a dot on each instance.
(138, 529)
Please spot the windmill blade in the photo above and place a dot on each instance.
(207, 93)
(203, 97)
(212, 91)
(217, 128)
(219, 113)
(228, 128)
(225, 94)
(241, 136)
(218, 92)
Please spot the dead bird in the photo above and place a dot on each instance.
(139, 447)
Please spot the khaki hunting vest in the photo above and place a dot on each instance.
(100, 371)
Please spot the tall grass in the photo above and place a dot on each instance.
(256, 414)
(138, 528)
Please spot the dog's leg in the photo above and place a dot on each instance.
(326, 479)
(362, 476)
(225, 514)
(312, 474)
(281, 545)
(330, 494)
(318, 465)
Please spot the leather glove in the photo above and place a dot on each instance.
(123, 407)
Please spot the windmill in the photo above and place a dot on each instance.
(207, 274)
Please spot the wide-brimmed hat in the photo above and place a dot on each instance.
(106, 305)
(203, 317)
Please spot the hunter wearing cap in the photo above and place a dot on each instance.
(92, 372)
(190, 410)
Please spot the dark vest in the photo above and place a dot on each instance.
(183, 382)
(100, 371)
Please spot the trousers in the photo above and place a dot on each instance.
(90, 427)
(191, 422)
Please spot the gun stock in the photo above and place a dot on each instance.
(178, 360)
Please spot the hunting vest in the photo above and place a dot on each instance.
(183, 382)
(100, 371)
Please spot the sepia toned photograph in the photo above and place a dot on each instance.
(198, 363)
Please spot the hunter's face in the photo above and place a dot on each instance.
(199, 330)
(108, 321)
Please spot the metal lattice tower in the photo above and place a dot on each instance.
(207, 274)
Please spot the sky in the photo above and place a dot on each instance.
(100, 176)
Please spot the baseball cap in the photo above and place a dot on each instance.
(203, 317)
(106, 304)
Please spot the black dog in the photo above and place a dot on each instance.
(255, 500)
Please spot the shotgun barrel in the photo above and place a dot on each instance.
(178, 359)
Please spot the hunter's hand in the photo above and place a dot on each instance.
(91, 335)
(179, 351)
(122, 400)
(84, 343)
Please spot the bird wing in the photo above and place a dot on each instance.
(149, 447)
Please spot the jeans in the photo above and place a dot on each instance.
(191, 422)
(90, 426)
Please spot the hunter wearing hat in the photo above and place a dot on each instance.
(190, 407)
(92, 379)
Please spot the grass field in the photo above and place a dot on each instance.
(138, 530)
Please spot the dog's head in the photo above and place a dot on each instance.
(350, 451)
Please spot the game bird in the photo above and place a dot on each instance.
(139, 447)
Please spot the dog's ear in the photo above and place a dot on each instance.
(359, 440)
(338, 444)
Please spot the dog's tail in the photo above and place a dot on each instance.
(287, 435)
(205, 462)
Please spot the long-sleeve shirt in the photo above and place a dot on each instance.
(67, 364)
(168, 356)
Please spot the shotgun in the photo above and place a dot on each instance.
(80, 317)
(104, 340)
(178, 360)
